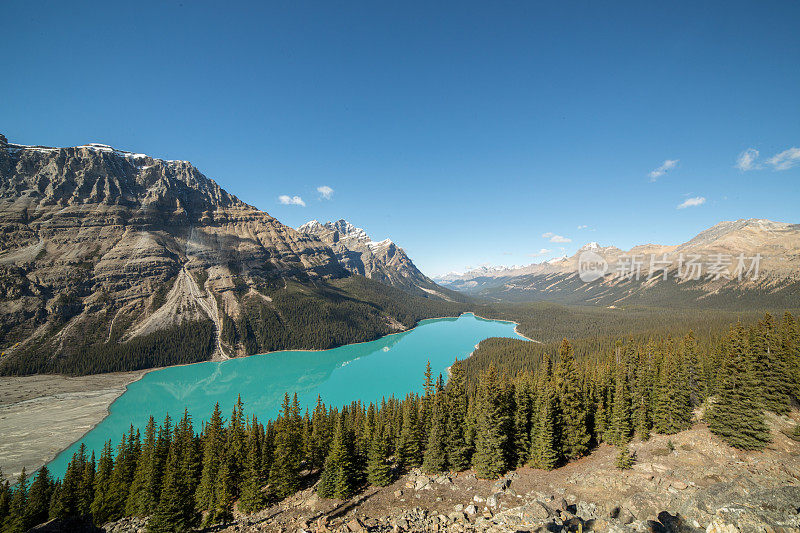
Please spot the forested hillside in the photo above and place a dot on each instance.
(280, 316)
(541, 406)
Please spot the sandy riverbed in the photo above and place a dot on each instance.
(42, 415)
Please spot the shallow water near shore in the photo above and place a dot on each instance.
(389, 366)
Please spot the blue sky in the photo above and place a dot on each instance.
(464, 131)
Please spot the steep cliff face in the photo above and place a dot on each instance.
(99, 244)
(382, 261)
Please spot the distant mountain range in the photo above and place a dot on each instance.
(382, 261)
(101, 247)
(748, 261)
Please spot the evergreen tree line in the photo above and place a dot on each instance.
(542, 417)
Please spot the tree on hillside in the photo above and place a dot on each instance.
(38, 497)
(672, 411)
(143, 495)
(435, 458)
(621, 427)
(379, 471)
(175, 510)
(284, 475)
(493, 421)
(770, 366)
(736, 416)
(574, 432)
(545, 446)
(338, 478)
(457, 447)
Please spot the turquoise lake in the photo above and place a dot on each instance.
(390, 366)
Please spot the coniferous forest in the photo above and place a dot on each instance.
(506, 407)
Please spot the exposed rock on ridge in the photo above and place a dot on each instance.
(382, 261)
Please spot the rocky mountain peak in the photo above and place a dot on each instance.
(382, 260)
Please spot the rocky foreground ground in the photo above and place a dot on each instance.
(681, 483)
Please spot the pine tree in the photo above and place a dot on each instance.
(16, 521)
(319, 439)
(493, 420)
(285, 471)
(641, 397)
(236, 447)
(338, 476)
(213, 445)
(120, 479)
(621, 429)
(545, 444)
(695, 375)
(38, 497)
(379, 471)
(5, 498)
(736, 416)
(252, 498)
(770, 367)
(574, 433)
(790, 352)
(672, 411)
(523, 419)
(435, 458)
(143, 495)
(175, 510)
(102, 507)
(409, 446)
(625, 459)
(457, 447)
(65, 504)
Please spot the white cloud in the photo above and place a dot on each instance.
(668, 164)
(786, 159)
(583, 226)
(747, 160)
(692, 202)
(285, 199)
(540, 253)
(555, 238)
(325, 191)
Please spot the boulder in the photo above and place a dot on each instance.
(717, 525)
(535, 511)
(355, 525)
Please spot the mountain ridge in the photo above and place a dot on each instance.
(104, 252)
(777, 245)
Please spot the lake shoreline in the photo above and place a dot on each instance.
(43, 415)
(35, 444)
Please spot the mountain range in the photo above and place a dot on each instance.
(106, 254)
(747, 261)
(113, 260)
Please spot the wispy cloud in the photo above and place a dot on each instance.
(786, 159)
(325, 192)
(540, 253)
(555, 238)
(285, 199)
(583, 226)
(747, 160)
(667, 165)
(692, 202)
